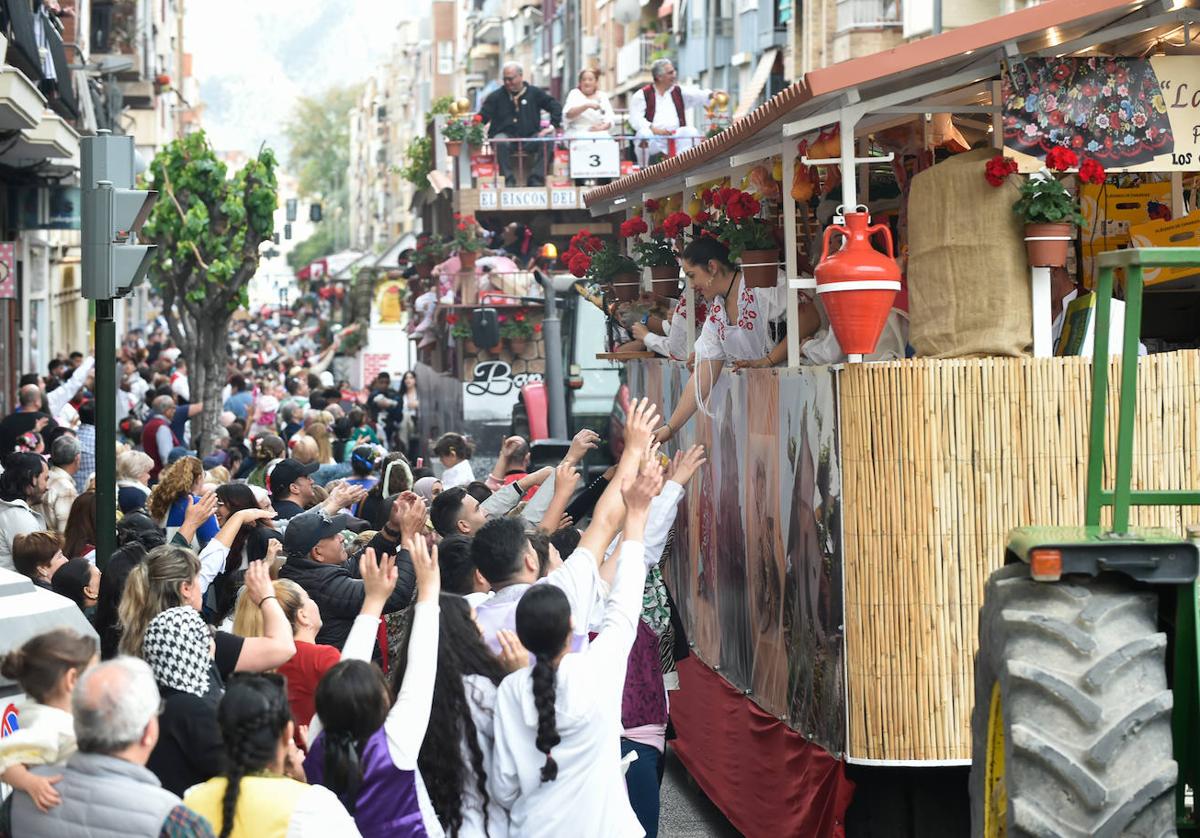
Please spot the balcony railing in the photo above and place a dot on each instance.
(868, 14)
(114, 26)
(634, 58)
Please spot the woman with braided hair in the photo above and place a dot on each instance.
(457, 752)
(263, 792)
(557, 756)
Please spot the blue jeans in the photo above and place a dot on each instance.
(642, 781)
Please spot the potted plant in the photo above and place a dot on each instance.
(655, 253)
(1047, 208)
(460, 330)
(589, 256)
(467, 241)
(518, 331)
(465, 128)
(429, 252)
(732, 216)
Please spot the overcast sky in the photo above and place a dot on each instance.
(253, 58)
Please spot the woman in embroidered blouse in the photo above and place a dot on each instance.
(744, 325)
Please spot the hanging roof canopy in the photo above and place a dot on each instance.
(941, 69)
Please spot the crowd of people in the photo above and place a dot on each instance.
(311, 632)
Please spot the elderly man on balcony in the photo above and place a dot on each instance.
(658, 114)
(514, 111)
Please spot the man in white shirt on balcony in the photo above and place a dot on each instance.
(658, 113)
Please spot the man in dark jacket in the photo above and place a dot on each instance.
(317, 562)
(514, 111)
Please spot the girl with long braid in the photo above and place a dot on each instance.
(557, 759)
(262, 792)
(457, 752)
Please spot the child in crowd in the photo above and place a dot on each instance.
(455, 454)
(46, 667)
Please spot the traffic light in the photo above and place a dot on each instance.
(314, 212)
(112, 212)
(291, 208)
(287, 231)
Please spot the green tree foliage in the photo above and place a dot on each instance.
(208, 228)
(318, 133)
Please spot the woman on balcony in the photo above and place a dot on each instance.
(587, 111)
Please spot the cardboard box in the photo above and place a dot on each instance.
(1110, 211)
(1182, 232)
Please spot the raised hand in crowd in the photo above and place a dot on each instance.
(425, 566)
(379, 580)
(583, 442)
(344, 496)
(685, 463)
(513, 656)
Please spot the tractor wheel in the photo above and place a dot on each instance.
(1072, 723)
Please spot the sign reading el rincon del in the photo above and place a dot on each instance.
(533, 199)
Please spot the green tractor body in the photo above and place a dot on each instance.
(1087, 700)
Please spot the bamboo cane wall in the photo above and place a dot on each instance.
(940, 459)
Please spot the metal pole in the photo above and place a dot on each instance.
(106, 433)
(556, 389)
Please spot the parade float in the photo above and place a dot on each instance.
(830, 561)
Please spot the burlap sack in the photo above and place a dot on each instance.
(968, 280)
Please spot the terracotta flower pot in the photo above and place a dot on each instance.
(664, 280)
(518, 345)
(454, 147)
(469, 347)
(467, 259)
(1046, 245)
(858, 284)
(761, 268)
(625, 287)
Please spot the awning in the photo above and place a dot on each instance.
(912, 71)
(66, 103)
(757, 82)
(52, 137)
(20, 17)
(390, 257)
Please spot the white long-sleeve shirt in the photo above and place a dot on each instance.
(588, 798)
(59, 397)
(481, 699)
(664, 107)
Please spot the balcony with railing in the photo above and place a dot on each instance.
(633, 60)
(868, 14)
(114, 31)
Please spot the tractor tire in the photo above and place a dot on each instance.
(1073, 673)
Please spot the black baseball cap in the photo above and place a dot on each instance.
(287, 472)
(306, 529)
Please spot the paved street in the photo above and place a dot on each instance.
(686, 811)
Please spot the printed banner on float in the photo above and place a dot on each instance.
(1130, 114)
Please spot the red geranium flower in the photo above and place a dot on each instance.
(519, 317)
(651, 205)
(675, 223)
(579, 264)
(451, 318)
(999, 168)
(1090, 171)
(537, 328)
(634, 227)
(478, 118)
(1060, 158)
(702, 217)
(503, 318)
(706, 197)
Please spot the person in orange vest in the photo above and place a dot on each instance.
(658, 113)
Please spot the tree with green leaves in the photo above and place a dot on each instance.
(208, 227)
(318, 133)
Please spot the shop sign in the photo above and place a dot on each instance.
(1130, 114)
(529, 199)
(493, 390)
(8, 271)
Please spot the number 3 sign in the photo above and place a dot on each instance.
(595, 159)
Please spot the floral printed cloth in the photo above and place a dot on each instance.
(1111, 109)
